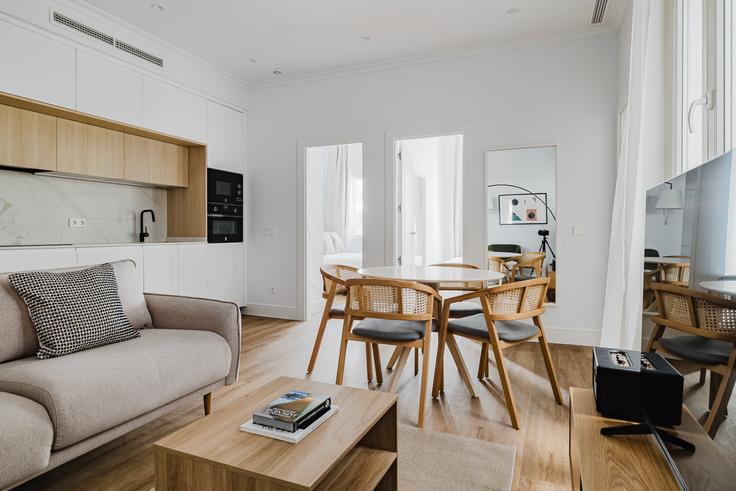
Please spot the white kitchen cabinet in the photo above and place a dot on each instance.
(193, 270)
(161, 269)
(36, 67)
(37, 258)
(192, 117)
(160, 106)
(226, 272)
(106, 254)
(225, 138)
(107, 89)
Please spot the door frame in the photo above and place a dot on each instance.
(470, 175)
(301, 212)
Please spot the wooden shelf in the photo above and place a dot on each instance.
(361, 468)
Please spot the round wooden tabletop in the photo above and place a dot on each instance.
(504, 255)
(430, 274)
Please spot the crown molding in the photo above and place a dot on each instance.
(95, 13)
(404, 62)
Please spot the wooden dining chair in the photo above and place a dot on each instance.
(677, 274)
(393, 312)
(499, 266)
(500, 326)
(651, 276)
(709, 324)
(333, 283)
(528, 266)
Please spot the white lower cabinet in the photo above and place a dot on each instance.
(226, 272)
(161, 269)
(37, 258)
(97, 255)
(193, 270)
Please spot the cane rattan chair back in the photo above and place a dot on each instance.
(695, 312)
(337, 274)
(675, 274)
(389, 299)
(530, 263)
(466, 286)
(498, 265)
(518, 300)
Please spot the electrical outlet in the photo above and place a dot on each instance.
(272, 289)
(77, 222)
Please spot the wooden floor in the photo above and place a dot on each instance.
(276, 347)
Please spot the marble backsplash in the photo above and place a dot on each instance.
(36, 209)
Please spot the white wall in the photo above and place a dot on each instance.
(562, 92)
(535, 170)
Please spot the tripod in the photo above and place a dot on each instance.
(543, 248)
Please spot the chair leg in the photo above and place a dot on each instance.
(403, 357)
(656, 334)
(551, 373)
(416, 361)
(369, 362)
(506, 384)
(320, 335)
(455, 352)
(394, 358)
(343, 352)
(718, 408)
(703, 373)
(207, 399)
(425, 375)
(377, 363)
(439, 365)
(483, 364)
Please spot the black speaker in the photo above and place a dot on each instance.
(627, 382)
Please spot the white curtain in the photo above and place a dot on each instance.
(336, 191)
(456, 247)
(639, 161)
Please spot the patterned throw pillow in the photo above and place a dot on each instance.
(74, 310)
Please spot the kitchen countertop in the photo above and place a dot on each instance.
(76, 246)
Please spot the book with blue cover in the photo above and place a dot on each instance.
(294, 410)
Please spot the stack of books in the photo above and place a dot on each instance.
(291, 417)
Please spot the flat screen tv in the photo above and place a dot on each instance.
(691, 222)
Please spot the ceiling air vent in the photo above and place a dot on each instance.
(599, 10)
(144, 55)
(70, 23)
(78, 26)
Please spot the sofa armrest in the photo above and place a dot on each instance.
(201, 314)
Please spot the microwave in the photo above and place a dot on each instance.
(224, 187)
(224, 206)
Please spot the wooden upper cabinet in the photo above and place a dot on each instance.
(89, 150)
(27, 139)
(154, 162)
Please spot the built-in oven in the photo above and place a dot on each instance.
(224, 206)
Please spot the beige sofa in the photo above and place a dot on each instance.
(52, 411)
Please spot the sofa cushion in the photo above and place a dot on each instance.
(25, 439)
(16, 329)
(74, 310)
(91, 391)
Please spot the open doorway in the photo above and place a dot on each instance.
(429, 220)
(334, 212)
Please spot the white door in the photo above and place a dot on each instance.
(226, 272)
(192, 117)
(161, 272)
(225, 138)
(193, 270)
(160, 106)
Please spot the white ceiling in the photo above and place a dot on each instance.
(314, 36)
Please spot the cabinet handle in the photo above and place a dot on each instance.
(706, 100)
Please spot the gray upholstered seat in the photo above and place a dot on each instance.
(523, 277)
(465, 309)
(698, 349)
(337, 310)
(390, 330)
(507, 330)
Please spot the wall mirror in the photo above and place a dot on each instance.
(521, 217)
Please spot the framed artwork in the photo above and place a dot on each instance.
(522, 209)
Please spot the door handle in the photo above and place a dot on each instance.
(706, 100)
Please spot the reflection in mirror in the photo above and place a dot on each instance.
(522, 226)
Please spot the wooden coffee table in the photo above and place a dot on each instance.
(353, 449)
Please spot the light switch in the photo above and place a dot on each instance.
(578, 230)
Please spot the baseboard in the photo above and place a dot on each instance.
(578, 337)
(269, 310)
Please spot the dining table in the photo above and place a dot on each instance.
(726, 288)
(431, 276)
(667, 260)
(504, 255)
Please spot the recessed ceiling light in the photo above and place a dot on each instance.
(365, 38)
(512, 11)
(277, 71)
(157, 7)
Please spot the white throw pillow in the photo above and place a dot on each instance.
(338, 242)
(328, 247)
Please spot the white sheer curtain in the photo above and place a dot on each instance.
(336, 191)
(640, 161)
(456, 246)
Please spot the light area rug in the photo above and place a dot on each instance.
(430, 460)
